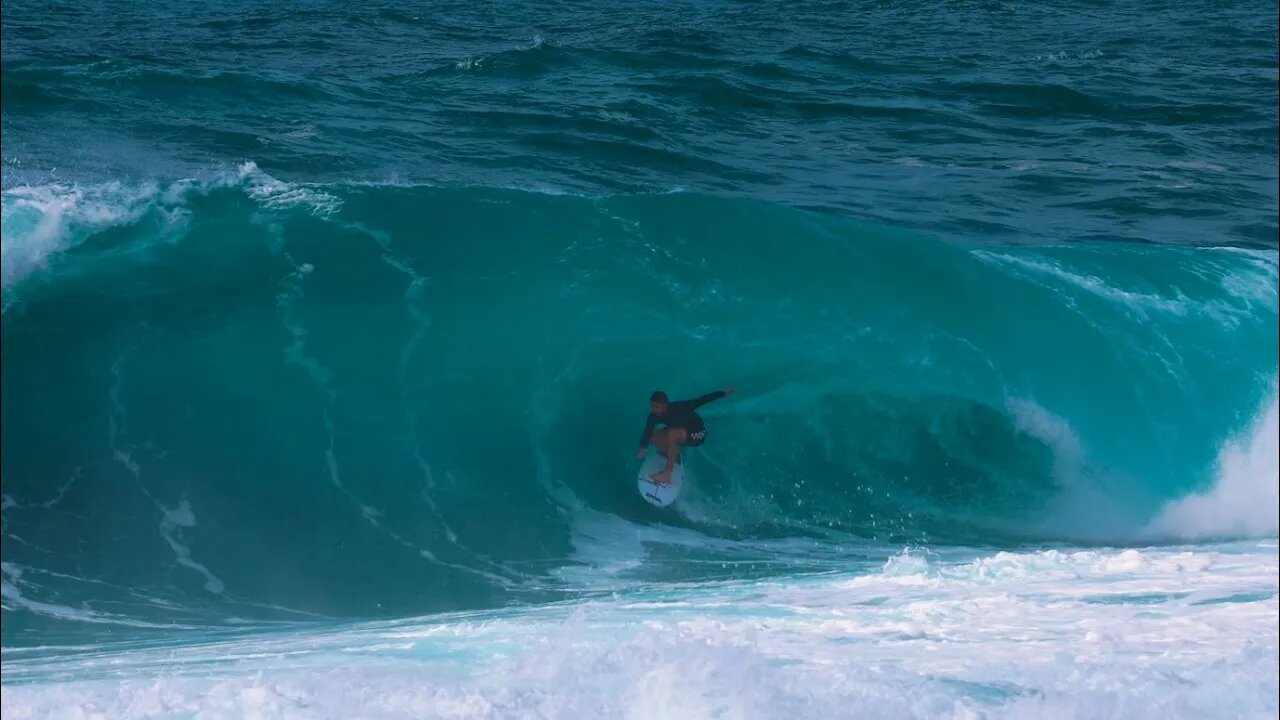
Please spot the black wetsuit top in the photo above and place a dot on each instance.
(681, 415)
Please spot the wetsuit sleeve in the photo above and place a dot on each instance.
(699, 402)
(648, 431)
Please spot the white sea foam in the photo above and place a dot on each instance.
(1153, 632)
(1244, 500)
(276, 194)
(41, 221)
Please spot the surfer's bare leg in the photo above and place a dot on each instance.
(674, 439)
(659, 441)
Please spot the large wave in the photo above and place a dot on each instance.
(370, 400)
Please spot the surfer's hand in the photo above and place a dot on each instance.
(729, 390)
(640, 453)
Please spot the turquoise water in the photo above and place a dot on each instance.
(321, 315)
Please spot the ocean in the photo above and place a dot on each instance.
(329, 330)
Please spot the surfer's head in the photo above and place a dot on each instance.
(658, 402)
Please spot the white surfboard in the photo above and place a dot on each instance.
(653, 493)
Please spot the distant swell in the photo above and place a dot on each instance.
(452, 380)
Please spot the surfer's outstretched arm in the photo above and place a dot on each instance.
(700, 401)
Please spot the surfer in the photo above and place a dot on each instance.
(683, 427)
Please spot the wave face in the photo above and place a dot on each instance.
(248, 399)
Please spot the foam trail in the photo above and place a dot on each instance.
(1244, 499)
(171, 519)
(413, 301)
(13, 597)
(1140, 305)
(287, 301)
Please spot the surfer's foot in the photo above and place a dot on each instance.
(662, 477)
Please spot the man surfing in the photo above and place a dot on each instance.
(683, 427)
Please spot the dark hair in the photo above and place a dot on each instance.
(658, 396)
